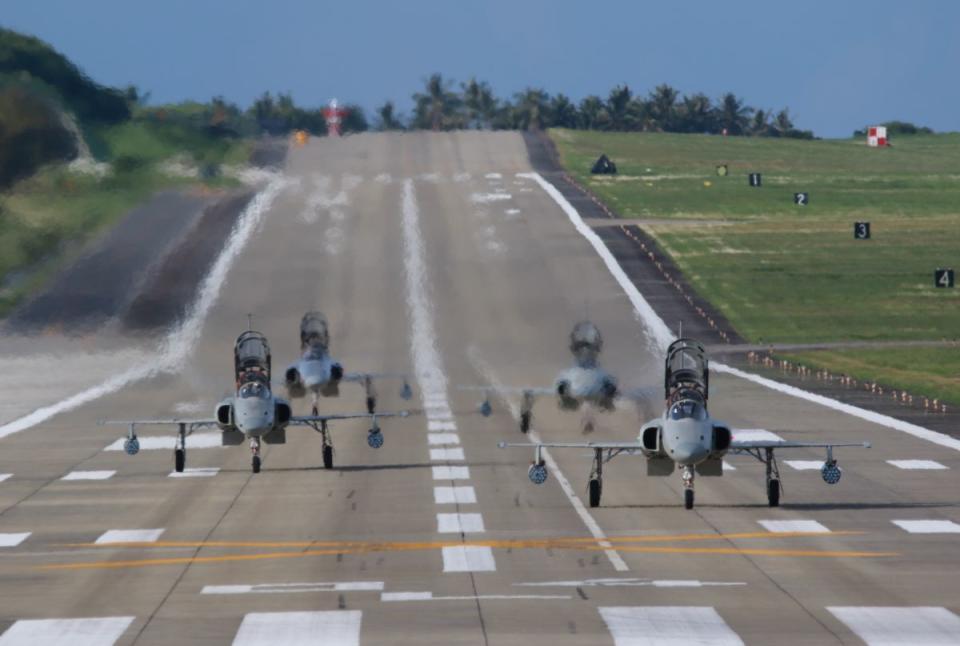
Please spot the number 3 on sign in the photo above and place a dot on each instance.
(861, 230)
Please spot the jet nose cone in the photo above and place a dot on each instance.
(688, 453)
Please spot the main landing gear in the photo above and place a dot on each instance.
(371, 395)
(180, 449)
(595, 484)
(773, 478)
(526, 411)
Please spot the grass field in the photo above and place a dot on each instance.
(47, 217)
(785, 273)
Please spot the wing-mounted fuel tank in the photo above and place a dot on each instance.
(686, 373)
(586, 343)
(314, 331)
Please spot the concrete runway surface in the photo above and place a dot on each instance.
(440, 255)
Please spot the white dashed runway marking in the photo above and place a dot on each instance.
(910, 465)
(429, 596)
(928, 526)
(5, 476)
(805, 465)
(440, 455)
(784, 526)
(441, 425)
(331, 627)
(451, 473)
(443, 438)
(458, 495)
(130, 536)
(668, 626)
(195, 472)
(459, 523)
(468, 558)
(14, 539)
(286, 588)
(89, 475)
(886, 626)
(618, 582)
(91, 631)
(728, 467)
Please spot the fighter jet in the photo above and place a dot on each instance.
(685, 436)
(586, 383)
(316, 371)
(254, 412)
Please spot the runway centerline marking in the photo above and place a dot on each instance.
(451, 473)
(89, 475)
(119, 536)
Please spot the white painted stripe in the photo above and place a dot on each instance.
(90, 631)
(755, 435)
(458, 495)
(468, 558)
(176, 347)
(330, 627)
(659, 335)
(443, 438)
(928, 526)
(783, 526)
(14, 539)
(667, 626)
(286, 588)
(195, 472)
(439, 455)
(4, 476)
(728, 467)
(429, 596)
(910, 465)
(451, 473)
(893, 626)
(89, 475)
(167, 442)
(440, 415)
(615, 559)
(804, 465)
(130, 536)
(459, 523)
(441, 425)
(619, 582)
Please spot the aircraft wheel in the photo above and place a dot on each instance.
(371, 405)
(525, 422)
(594, 490)
(328, 457)
(315, 411)
(256, 464)
(773, 492)
(688, 498)
(179, 460)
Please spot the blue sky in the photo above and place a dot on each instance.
(837, 65)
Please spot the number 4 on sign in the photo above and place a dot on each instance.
(943, 277)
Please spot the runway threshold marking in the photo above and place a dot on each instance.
(89, 631)
(332, 627)
(889, 626)
(650, 625)
(477, 553)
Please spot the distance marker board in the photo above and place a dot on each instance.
(943, 277)
(861, 230)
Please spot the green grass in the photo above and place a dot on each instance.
(783, 273)
(45, 220)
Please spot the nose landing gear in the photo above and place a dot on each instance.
(255, 449)
(687, 475)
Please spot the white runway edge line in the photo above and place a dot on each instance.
(91, 631)
(592, 526)
(176, 348)
(660, 335)
(667, 626)
(892, 626)
(330, 627)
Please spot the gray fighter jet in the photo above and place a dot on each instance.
(254, 412)
(317, 373)
(585, 384)
(685, 436)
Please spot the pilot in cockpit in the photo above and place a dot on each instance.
(688, 410)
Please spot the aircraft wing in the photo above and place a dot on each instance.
(305, 420)
(510, 390)
(772, 444)
(190, 423)
(617, 446)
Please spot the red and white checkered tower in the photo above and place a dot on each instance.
(334, 115)
(877, 136)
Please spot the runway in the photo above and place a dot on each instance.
(442, 256)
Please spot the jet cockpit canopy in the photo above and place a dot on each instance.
(314, 331)
(251, 358)
(686, 374)
(585, 342)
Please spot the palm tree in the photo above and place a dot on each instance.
(662, 106)
(760, 124)
(696, 114)
(618, 107)
(782, 123)
(387, 119)
(532, 109)
(437, 107)
(593, 114)
(563, 111)
(733, 114)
